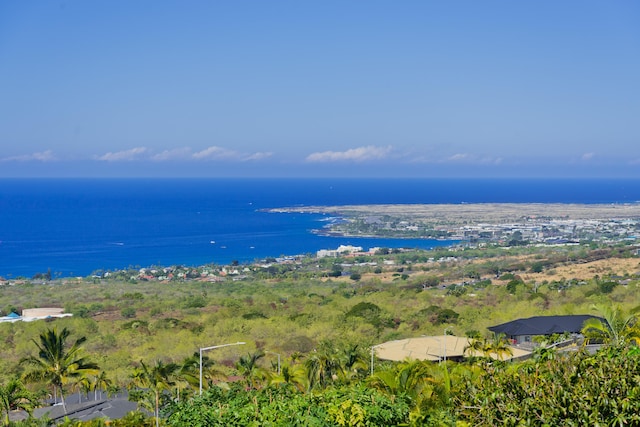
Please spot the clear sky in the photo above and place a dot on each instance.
(320, 88)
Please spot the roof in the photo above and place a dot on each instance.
(543, 325)
(422, 348)
(432, 348)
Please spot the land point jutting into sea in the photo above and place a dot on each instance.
(519, 223)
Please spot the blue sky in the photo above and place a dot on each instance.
(320, 88)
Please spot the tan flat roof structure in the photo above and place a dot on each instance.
(433, 348)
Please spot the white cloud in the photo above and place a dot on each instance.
(458, 157)
(359, 154)
(41, 156)
(181, 154)
(123, 156)
(221, 153)
(214, 152)
(174, 154)
(258, 156)
(588, 156)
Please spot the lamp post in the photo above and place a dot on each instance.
(373, 347)
(211, 348)
(444, 339)
(277, 354)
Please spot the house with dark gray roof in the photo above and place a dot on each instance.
(523, 330)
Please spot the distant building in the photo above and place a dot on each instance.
(342, 249)
(31, 314)
(523, 330)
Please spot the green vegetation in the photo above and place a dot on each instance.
(308, 334)
(57, 365)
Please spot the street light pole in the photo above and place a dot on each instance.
(373, 347)
(444, 339)
(211, 348)
(277, 354)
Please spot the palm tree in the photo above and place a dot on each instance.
(414, 380)
(355, 362)
(83, 384)
(477, 346)
(496, 347)
(101, 382)
(155, 380)
(499, 346)
(294, 375)
(616, 328)
(56, 364)
(14, 395)
(248, 366)
(190, 370)
(322, 367)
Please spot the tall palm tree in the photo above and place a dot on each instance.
(355, 362)
(14, 395)
(323, 367)
(616, 327)
(156, 380)
(499, 346)
(294, 375)
(83, 384)
(58, 364)
(101, 382)
(477, 346)
(248, 366)
(190, 370)
(415, 381)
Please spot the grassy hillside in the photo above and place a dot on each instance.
(294, 308)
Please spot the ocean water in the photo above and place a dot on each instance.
(78, 226)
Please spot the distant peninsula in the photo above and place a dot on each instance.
(524, 222)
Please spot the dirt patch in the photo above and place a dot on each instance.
(586, 271)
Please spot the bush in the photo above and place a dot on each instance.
(128, 312)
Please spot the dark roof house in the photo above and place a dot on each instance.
(522, 330)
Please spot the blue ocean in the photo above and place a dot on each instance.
(77, 226)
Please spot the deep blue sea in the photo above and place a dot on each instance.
(77, 226)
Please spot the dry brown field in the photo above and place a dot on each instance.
(588, 270)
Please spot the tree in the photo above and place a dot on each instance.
(101, 382)
(293, 374)
(355, 362)
(13, 396)
(496, 347)
(58, 365)
(323, 366)
(615, 328)
(499, 345)
(414, 381)
(248, 366)
(154, 380)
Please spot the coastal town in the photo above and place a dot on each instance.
(507, 224)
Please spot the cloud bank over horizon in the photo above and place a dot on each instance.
(367, 160)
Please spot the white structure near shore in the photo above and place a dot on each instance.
(31, 314)
(342, 250)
